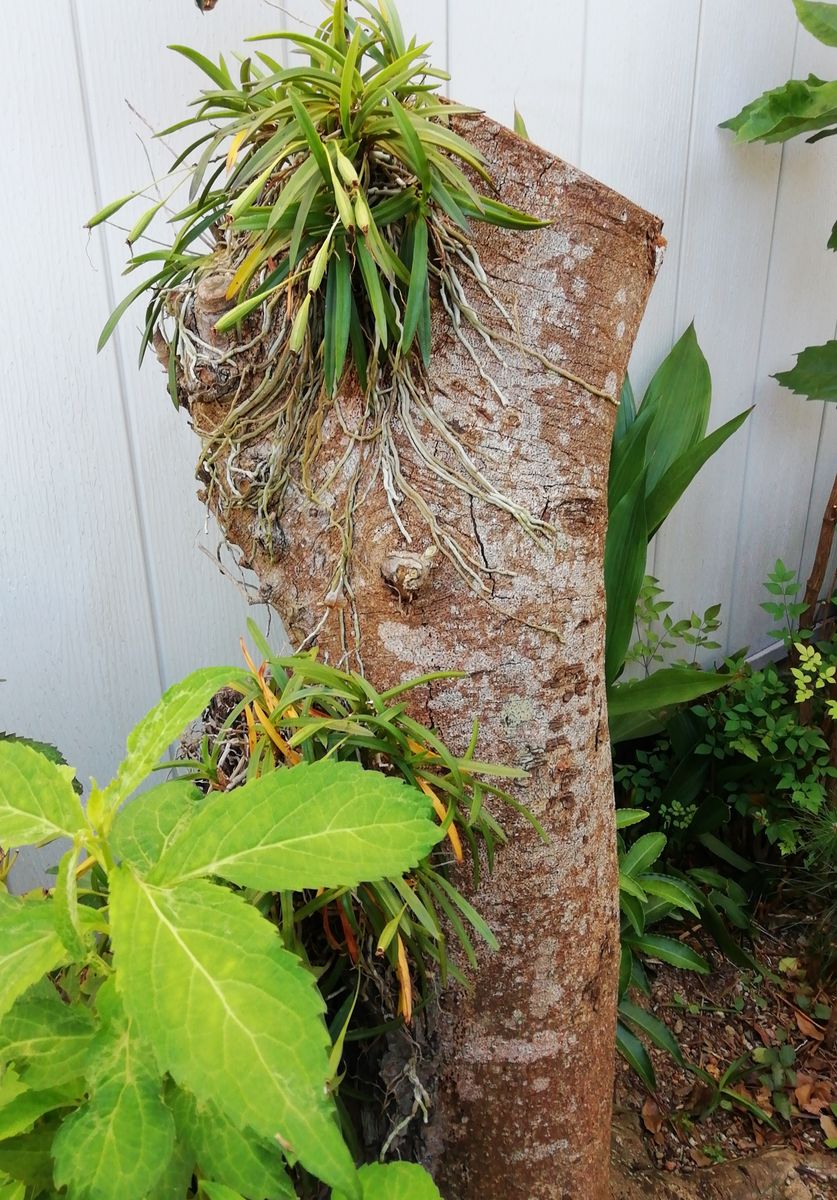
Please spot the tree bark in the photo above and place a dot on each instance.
(523, 1069)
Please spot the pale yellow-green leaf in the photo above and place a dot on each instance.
(49, 1041)
(149, 823)
(231, 1015)
(323, 824)
(180, 705)
(29, 946)
(395, 1181)
(37, 801)
(117, 1144)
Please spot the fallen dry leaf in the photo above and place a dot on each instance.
(829, 1126)
(699, 1158)
(652, 1118)
(807, 1027)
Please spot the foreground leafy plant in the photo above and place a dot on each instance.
(658, 449)
(153, 1026)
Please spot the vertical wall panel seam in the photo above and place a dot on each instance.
(133, 464)
(582, 85)
(748, 466)
(447, 47)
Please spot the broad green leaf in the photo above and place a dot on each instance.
(49, 1041)
(798, 106)
(119, 1142)
(395, 1181)
(626, 548)
(37, 801)
(176, 1177)
(663, 688)
(147, 825)
(219, 1191)
(223, 1151)
(46, 748)
(626, 412)
(662, 498)
(627, 459)
(677, 894)
(230, 1014)
(27, 1157)
(679, 395)
(635, 1055)
(322, 824)
(181, 704)
(815, 373)
(819, 19)
(669, 950)
(645, 851)
(653, 1028)
(19, 1114)
(633, 725)
(65, 907)
(29, 946)
(12, 1189)
(629, 885)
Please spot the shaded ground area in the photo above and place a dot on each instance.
(775, 1039)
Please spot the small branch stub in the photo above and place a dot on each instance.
(407, 572)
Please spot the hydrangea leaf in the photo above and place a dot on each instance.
(148, 824)
(395, 1181)
(323, 824)
(49, 1041)
(223, 1151)
(230, 1014)
(37, 801)
(118, 1143)
(182, 703)
(29, 946)
(815, 373)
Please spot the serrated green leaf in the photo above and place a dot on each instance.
(19, 1113)
(147, 825)
(629, 816)
(819, 19)
(798, 106)
(119, 1142)
(815, 373)
(29, 946)
(37, 800)
(181, 704)
(671, 890)
(645, 851)
(49, 1041)
(50, 752)
(223, 1151)
(653, 1028)
(635, 1055)
(230, 1014)
(395, 1181)
(322, 824)
(669, 950)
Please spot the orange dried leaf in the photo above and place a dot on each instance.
(807, 1027)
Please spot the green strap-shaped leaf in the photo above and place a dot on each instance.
(678, 894)
(29, 946)
(116, 1146)
(223, 1151)
(669, 950)
(626, 549)
(37, 801)
(182, 703)
(323, 824)
(395, 1181)
(815, 373)
(230, 1014)
(635, 1055)
(653, 1028)
(819, 19)
(669, 685)
(49, 1041)
(147, 825)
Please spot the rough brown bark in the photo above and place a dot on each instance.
(523, 1082)
(822, 554)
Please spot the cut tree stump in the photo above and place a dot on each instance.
(520, 1069)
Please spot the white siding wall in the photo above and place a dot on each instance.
(104, 596)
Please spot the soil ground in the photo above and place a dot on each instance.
(678, 1143)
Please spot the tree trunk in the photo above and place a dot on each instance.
(523, 1070)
